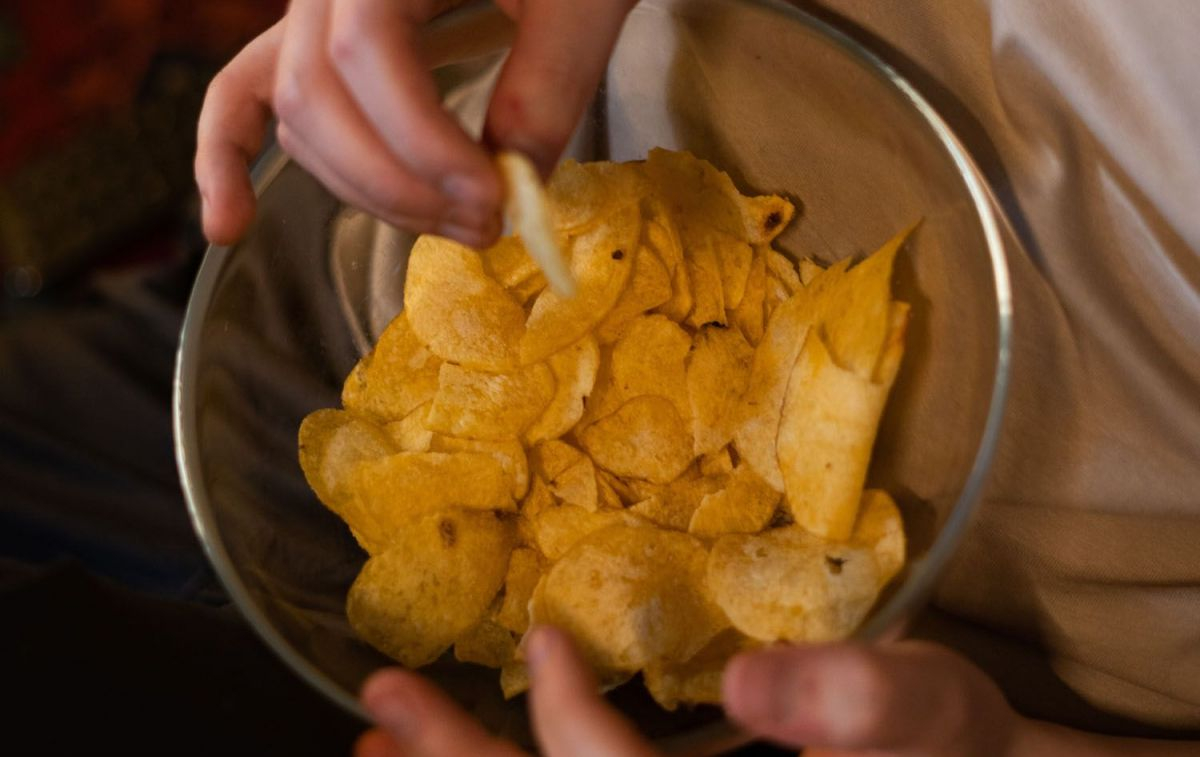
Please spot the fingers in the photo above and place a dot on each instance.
(232, 125)
(374, 48)
(558, 57)
(849, 696)
(570, 717)
(420, 720)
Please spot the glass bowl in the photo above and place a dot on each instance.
(779, 99)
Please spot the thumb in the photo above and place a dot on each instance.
(856, 697)
(558, 57)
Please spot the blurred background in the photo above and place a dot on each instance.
(115, 637)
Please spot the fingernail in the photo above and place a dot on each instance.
(391, 706)
(467, 191)
(538, 649)
(469, 236)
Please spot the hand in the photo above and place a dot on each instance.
(357, 108)
(845, 699)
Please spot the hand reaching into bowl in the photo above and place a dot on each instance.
(357, 107)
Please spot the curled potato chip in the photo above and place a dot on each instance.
(395, 489)
(487, 643)
(827, 428)
(765, 216)
(556, 529)
(749, 317)
(332, 445)
(508, 263)
(433, 584)
(527, 290)
(649, 286)
(601, 263)
(581, 194)
(663, 238)
(716, 463)
(611, 593)
(409, 433)
(783, 269)
(789, 585)
(697, 680)
(569, 473)
(574, 369)
(514, 679)
(704, 276)
(650, 359)
(482, 405)
(735, 258)
(398, 375)
(529, 213)
(744, 506)
(460, 312)
(808, 270)
(718, 372)
(672, 505)
(644, 439)
(880, 528)
(524, 571)
(508, 452)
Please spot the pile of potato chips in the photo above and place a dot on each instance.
(669, 464)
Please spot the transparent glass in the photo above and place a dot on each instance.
(783, 102)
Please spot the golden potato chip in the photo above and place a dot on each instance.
(508, 263)
(508, 452)
(556, 529)
(744, 506)
(893, 347)
(482, 405)
(581, 194)
(789, 585)
(672, 505)
(697, 680)
(644, 439)
(718, 372)
(574, 369)
(762, 403)
(649, 286)
(650, 359)
(399, 374)
(830, 416)
(333, 443)
(765, 216)
(749, 316)
(524, 571)
(457, 310)
(716, 463)
(808, 270)
(663, 238)
(550, 458)
(529, 214)
(880, 529)
(601, 263)
(409, 433)
(527, 290)
(487, 643)
(611, 593)
(395, 489)
(606, 494)
(514, 679)
(782, 268)
(735, 258)
(620, 487)
(569, 473)
(536, 501)
(434, 583)
(704, 275)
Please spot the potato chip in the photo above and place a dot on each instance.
(612, 595)
(893, 347)
(524, 571)
(457, 310)
(399, 374)
(749, 316)
(782, 268)
(527, 290)
(434, 583)
(581, 194)
(508, 452)
(409, 433)
(704, 275)
(606, 494)
(514, 679)
(716, 463)
(332, 445)
(765, 216)
(395, 489)
(569, 473)
(697, 680)
(625, 493)
(880, 529)
(663, 237)
(482, 405)
(531, 218)
(762, 403)
(672, 505)
(556, 529)
(508, 263)
(744, 506)
(535, 502)
(789, 585)
(649, 286)
(735, 258)
(718, 372)
(808, 270)
(487, 643)
(644, 439)
(574, 369)
(650, 360)
(827, 428)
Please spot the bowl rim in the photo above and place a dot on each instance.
(912, 592)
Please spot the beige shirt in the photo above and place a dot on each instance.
(1084, 564)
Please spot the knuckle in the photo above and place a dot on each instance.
(354, 24)
(288, 98)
